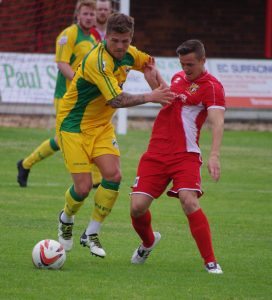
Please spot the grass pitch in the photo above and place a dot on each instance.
(239, 209)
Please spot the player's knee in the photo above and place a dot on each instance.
(189, 201)
(117, 177)
(83, 189)
(137, 209)
(114, 177)
(83, 193)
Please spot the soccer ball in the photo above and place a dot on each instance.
(48, 254)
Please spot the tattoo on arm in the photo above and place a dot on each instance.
(127, 100)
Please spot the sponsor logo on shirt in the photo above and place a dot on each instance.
(63, 40)
(181, 97)
(177, 80)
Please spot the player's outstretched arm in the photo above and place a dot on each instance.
(161, 95)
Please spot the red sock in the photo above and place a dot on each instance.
(142, 226)
(200, 230)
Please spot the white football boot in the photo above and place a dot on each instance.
(141, 253)
(92, 241)
(213, 268)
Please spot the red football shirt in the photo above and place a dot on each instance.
(177, 126)
(98, 35)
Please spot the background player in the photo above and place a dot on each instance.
(71, 46)
(103, 11)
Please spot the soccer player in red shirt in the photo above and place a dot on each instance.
(173, 153)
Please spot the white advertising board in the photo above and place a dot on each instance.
(27, 78)
(247, 83)
(31, 78)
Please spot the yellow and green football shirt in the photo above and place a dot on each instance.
(71, 47)
(98, 79)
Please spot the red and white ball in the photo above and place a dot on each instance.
(48, 254)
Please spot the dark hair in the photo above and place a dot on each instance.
(191, 46)
(120, 23)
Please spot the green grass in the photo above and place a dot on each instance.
(239, 208)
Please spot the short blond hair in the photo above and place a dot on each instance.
(80, 3)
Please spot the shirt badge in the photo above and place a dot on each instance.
(63, 40)
(193, 88)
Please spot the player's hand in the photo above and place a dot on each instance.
(162, 95)
(214, 167)
(150, 71)
(150, 64)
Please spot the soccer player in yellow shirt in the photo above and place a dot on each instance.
(72, 44)
(86, 133)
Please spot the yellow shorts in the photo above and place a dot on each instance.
(79, 149)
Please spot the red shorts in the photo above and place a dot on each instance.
(156, 171)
